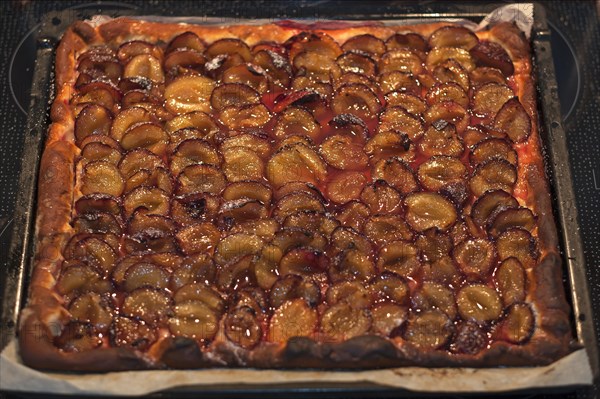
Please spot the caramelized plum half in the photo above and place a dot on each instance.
(296, 121)
(398, 119)
(202, 237)
(400, 257)
(365, 43)
(341, 322)
(511, 281)
(235, 94)
(243, 327)
(399, 81)
(475, 257)
(510, 218)
(229, 47)
(490, 98)
(102, 177)
(519, 324)
(439, 171)
(293, 319)
(186, 40)
(388, 317)
(490, 149)
(435, 296)
(147, 304)
(383, 229)
(93, 119)
(194, 319)
(403, 60)
(155, 200)
(189, 93)
(425, 210)
(407, 40)
(453, 36)
(518, 243)
(342, 152)
(396, 173)
(495, 174)
(296, 162)
(439, 55)
(291, 287)
(408, 101)
(356, 99)
(489, 205)
(452, 71)
(513, 120)
(479, 303)
(428, 330)
(490, 54)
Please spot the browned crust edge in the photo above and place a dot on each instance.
(44, 312)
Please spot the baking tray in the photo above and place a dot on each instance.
(13, 283)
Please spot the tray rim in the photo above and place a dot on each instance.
(553, 137)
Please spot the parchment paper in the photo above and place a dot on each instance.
(573, 369)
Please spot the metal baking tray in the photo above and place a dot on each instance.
(14, 280)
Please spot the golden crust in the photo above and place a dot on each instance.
(42, 319)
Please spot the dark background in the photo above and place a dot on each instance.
(576, 46)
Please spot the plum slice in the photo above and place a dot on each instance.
(356, 99)
(453, 36)
(241, 163)
(98, 203)
(129, 332)
(479, 303)
(452, 71)
(296, 162)
(388, 144)
(296, 121)
(97, 151)
(409, 40)
(248, 189)
(189, 93)
(292, 286)
(314, 42)
(145, 275)
(303, 261)
(255, 140)
(237, 212)
(201, 179)
(357, 63)
(181, 61)
(275, 66)
(344, 238)
(399, 81)
(93, 119)
(439, 55)
(145, 66)
(236, 94)
(247, 116)
(490, 98)
(518, 325)
(354, 293)
(229, 47)
(495, 174)
(492, 148)
(196, 268)
(78, 278)
(341, 322)
(513, 120)
(433, 244)
(194, 319)
(351, 264)
(316, 66)
(148, 304)
(428, 330)
(312, 221)
(425, 210)
(97, 222)
(193, 208)
(295, 202)
(446, 114)
(440, 171)
(242, 327)
(129, 118)
(408, 101)
(365, 43)
(490, 54)
(512, 217)
(510, 280)
(202, 237)
(155, 200)
(186, 40)
(353, 214)
(400, 257)
(293, 319)
(132, 48)
(490, 204)
(475, 257)
(388, 317)
(435, 296)
(518, 243)
(158, 177)
(193, 125)
(396, 173)
(145, 135)
(449, 91)
(102, 177)
(390, 287)
(193, 151)
(397, 118)
(342, 152)
(403, 60)
(380, 197)
(91, 308)
(483, 75)
(236, 246)
(469, 339)
(78, 337)
(383, 229)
